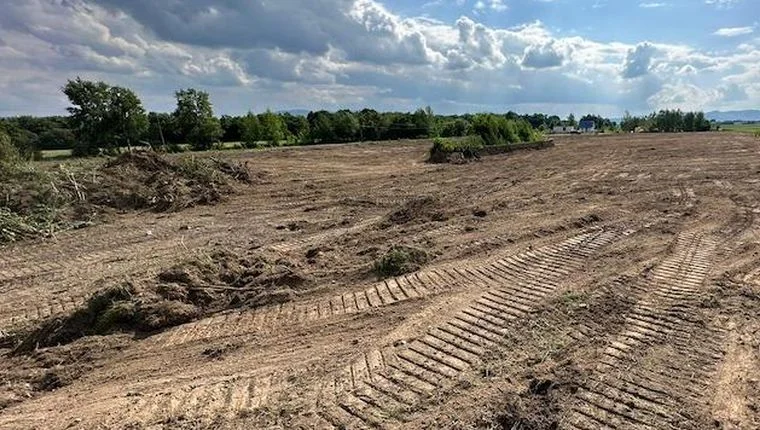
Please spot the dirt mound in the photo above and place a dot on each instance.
(183, 293)
(422, 209)
(146, 180)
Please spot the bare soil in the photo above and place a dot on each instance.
(606, 282)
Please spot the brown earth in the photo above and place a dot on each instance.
(607, 282)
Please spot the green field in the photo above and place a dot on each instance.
(752, 128)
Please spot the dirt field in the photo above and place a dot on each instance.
(608, 282)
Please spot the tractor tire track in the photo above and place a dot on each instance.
(379, 385)
(661, 329)
(526, 269)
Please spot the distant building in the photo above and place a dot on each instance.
(587, 126)
(563, 129)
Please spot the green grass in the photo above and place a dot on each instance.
(56, 154)
(753, 128)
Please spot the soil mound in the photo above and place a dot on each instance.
(183, 293)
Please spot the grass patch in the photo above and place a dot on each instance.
(751, 128)
(400, 260)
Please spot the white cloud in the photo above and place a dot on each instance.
(734, 31)
(348, 53)
(652, 5)
(723, 4)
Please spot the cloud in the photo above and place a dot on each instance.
(734, 31)
(638, 61)
(254, 54)
(723, 4)
(540, 57)
(653, 5)
(494, 5)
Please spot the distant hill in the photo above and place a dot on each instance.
(734, 115)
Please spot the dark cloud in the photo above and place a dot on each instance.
(542, 57)
(290, 25)
(638, 61)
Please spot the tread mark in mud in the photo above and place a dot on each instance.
(516, 286)
(618, 395)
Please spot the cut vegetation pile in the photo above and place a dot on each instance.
(400, 260)
(36, 202)
(183, 293)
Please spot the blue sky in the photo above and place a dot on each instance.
(555, 56)
(678, 21)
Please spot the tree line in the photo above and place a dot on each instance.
(105, 118)
(666, 121)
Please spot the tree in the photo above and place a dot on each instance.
(272, 128)
(571, 120)
(297, 127)
(104, 116)
(370, 125)
(195, 119)
(346, 126)
(321, 127)
(232, 128)
(250, 130)
(56, 138)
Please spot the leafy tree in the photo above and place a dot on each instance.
(272, 128)
(232, 128)
(103, 116)
(321, 127)
(371, 124)
(195, 119)
(297, 127)
(250, 130)
(571, 120)
(56, 138)
(346, 126)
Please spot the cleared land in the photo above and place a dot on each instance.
(608, 282)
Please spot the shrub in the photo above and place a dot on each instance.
(498, 130)
(442, 148)
(8, 153)
(400, 260)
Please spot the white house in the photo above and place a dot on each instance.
(563, 129)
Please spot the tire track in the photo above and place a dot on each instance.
(527, 269)
(662, 329)
(407, 374)
(379, 385)
(203, 404)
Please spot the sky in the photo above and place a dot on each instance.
(553, 56)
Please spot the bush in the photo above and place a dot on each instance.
(443, 148)
(8, 153)
(400, 260)
(498, 130)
